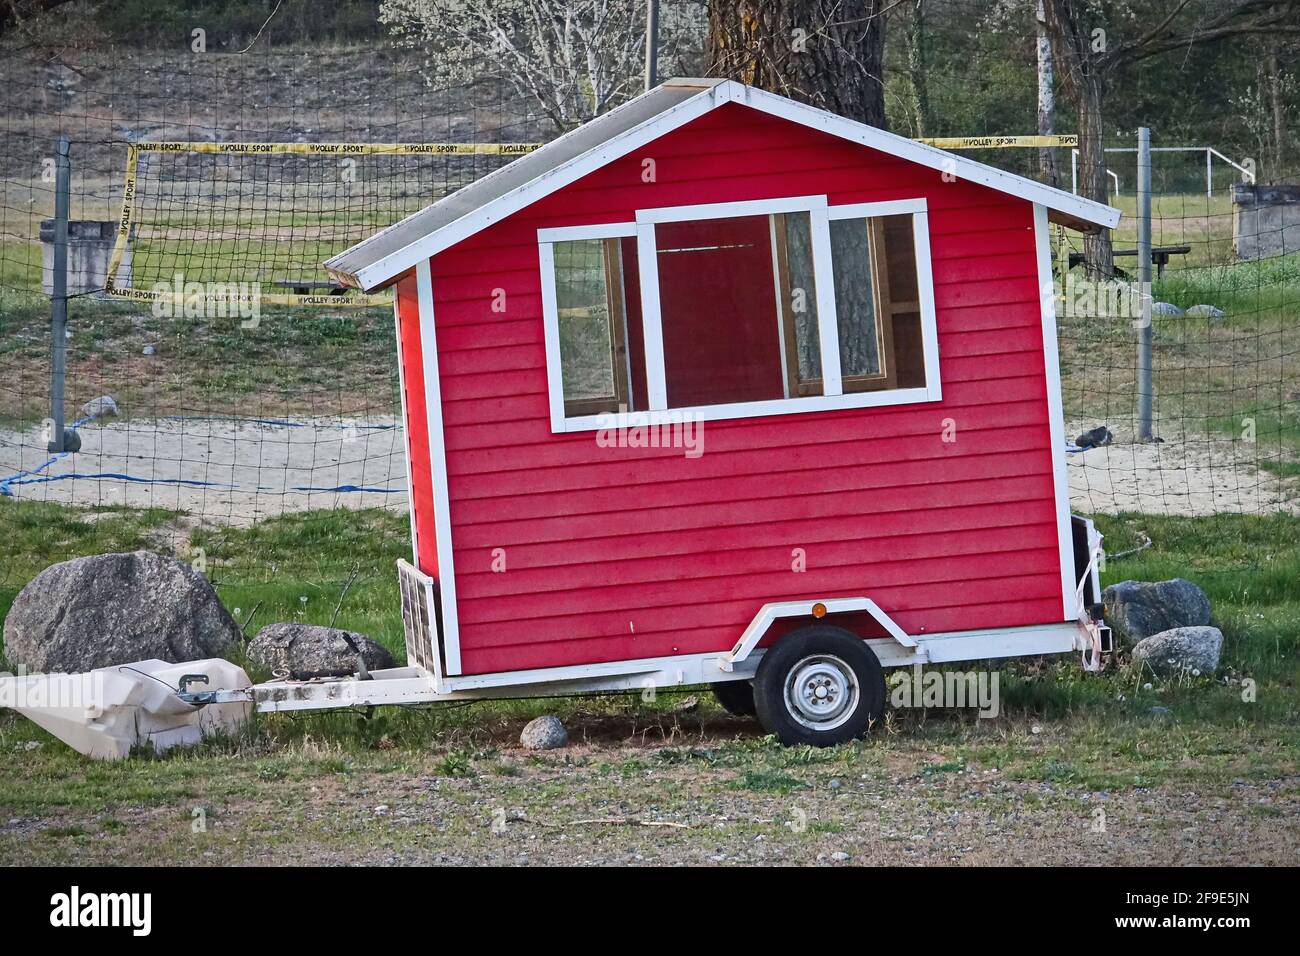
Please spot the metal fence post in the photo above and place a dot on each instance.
(59, 294)
(651, 44)
(1144, 383)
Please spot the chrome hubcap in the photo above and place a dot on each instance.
(821, 692)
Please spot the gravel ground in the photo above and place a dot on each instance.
(643, 803)
(228, 471)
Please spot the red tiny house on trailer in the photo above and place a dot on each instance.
(851, 331)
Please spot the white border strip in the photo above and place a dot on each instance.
(776, 406)
(406, 432)
(438, 462)
(652, 330)
(873, 210)
(925, 292)
(730, 210)
(1055, 412)
(551, 331)
(828, 323)
(606, 230)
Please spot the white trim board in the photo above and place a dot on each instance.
(381, 269)
(450, 636)
(406, 433)
(407, 685)
(729, 210)
(1055, 413)
(833, 397)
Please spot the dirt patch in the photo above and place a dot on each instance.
(1186, 474)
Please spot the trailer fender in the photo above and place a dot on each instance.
(814, 609)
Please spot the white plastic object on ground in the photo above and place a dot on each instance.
(104, 713)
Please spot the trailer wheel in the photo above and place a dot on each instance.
(736, 697)
(819, 685)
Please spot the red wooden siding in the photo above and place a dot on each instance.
(417, 425)
(624, 553)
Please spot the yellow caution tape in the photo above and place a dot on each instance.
(354, 149)
(998, 142)
(213, 294)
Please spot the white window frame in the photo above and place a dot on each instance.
(833, 397)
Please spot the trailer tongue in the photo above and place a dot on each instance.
(108, 712)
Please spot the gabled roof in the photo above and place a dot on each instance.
(376, 261)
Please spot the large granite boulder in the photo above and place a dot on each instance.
(304, 651)
(1138, 609)
(1181, 651)
(111, 609)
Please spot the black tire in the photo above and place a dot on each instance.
(837, 676)
(736, 697)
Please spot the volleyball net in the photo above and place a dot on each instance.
(242, 221)
(216, 177)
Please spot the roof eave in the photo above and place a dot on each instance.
(1064, 208)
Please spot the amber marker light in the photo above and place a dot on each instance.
(819, 610)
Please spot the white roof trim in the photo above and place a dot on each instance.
(710, 97)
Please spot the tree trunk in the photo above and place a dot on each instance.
(1083, 70)
(1097, 248)
(1046, 104)
(827, 53)
(1279, 111)
(917, 68)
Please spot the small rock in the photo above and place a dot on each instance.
(1139, 609)
(147, 350)
(835, 784)
(1181, 651)
(309, 650)
(99, 407)
(1165, 308)
(544, 733)
(1095, 438)
(839, 856)
(1205, 312)
(1159, 711)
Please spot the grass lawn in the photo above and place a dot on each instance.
(324, 786)
(296, 362)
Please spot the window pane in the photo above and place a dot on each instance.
(855, 297)
(590, 296)
(877, 304)
(722, 332)
(800, 301)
